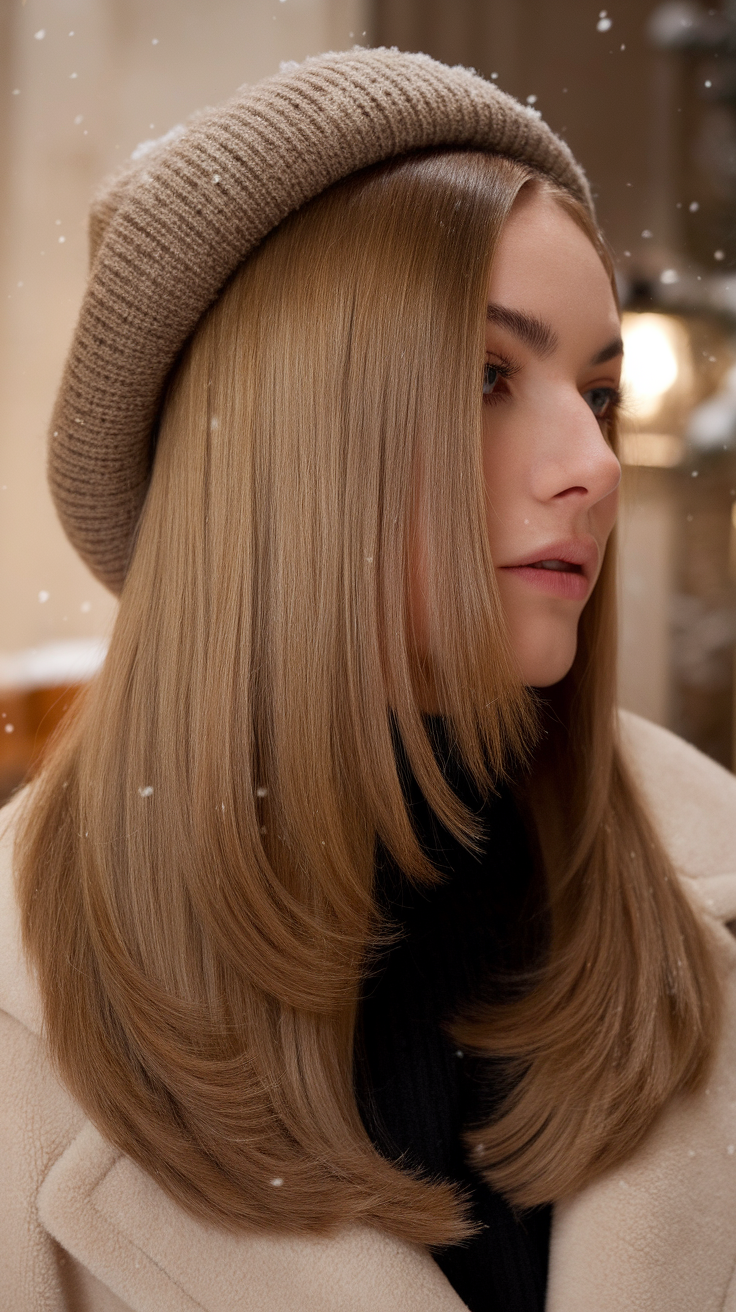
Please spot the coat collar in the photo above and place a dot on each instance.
(118, 1222)
(18, 991)
(655, 1234)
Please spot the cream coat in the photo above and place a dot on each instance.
(84, 1230)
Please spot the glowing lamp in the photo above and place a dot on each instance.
(658, 385)
(656, 353)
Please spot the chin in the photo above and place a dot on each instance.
(544, 664)
(547, 680)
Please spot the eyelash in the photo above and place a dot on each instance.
(506, 370)
(613, 402)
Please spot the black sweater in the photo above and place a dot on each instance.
(416, 1089)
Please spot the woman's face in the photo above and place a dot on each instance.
(553, 361)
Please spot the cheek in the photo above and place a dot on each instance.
(604, 516)
(610, 506)
(542, 633)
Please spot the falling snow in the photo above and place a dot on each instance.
(147, 791)
(9, 728)
(43, 596)
(604, 23)
(40, 34)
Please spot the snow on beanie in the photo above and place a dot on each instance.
(169, 230)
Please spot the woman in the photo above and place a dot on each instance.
(353, 933)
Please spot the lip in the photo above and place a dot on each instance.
(573, 585)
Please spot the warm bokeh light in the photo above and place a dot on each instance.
(655, 450)
(654, 345)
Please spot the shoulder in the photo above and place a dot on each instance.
(691, 799)
(18, 991)
(39, 1120)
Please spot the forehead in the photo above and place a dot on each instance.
(546, 265)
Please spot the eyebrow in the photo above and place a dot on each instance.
(539, 336)
(614, 348)
(534, 332)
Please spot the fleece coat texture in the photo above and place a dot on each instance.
(82, 1229)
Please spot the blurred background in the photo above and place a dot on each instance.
(646, 96)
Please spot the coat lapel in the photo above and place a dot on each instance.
(120, 1225)
(658, 1234)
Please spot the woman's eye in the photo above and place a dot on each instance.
(491, 376)
(602, 401)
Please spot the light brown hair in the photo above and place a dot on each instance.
(196, 863)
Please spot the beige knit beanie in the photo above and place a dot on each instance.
(168, 232)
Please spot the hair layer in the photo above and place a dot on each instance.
(196, 866)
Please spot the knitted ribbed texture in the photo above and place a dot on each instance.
(169, 231)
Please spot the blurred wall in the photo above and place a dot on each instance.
(81, 83)
(592, 74)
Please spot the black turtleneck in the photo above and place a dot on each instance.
(460, 940)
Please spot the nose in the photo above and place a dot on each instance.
(579, 461)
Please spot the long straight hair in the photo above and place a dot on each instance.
(196, 859)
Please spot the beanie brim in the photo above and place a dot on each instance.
(169, 231)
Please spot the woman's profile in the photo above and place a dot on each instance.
(356, 952)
